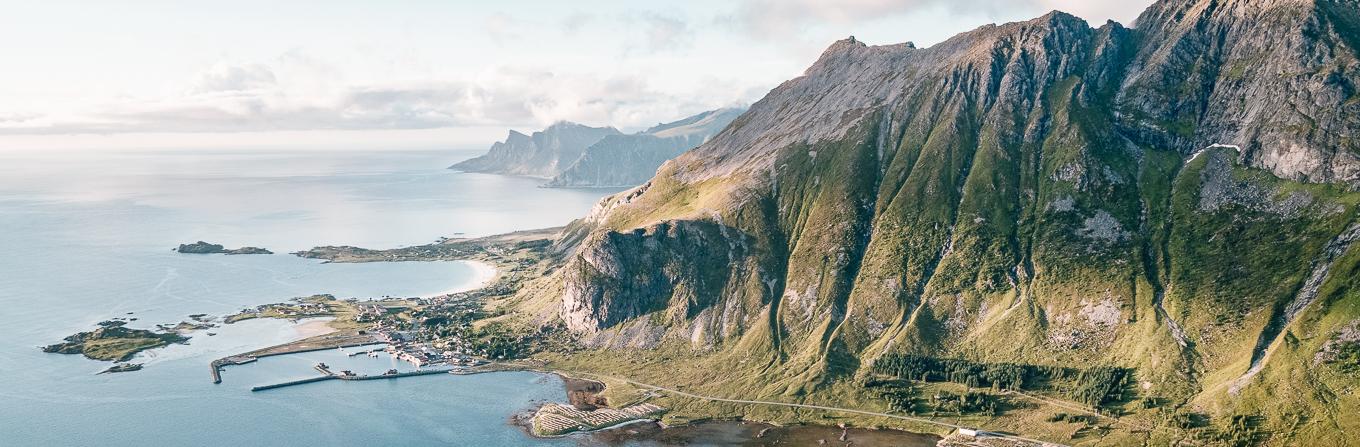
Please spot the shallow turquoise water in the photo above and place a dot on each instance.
(87, 236)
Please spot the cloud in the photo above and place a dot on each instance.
(259, 97)
(665, 32)
(503, 28)
(777, 19)
(18, 118)
(576, 21)
(234, 78)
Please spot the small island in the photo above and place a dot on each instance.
(202, 247)
(114, 342)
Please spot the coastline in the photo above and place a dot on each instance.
(511, 258)
(313, 327)
(483, 274)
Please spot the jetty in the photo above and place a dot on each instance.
(217, 365)
(333, 376)
(319, 343)
(294, 382)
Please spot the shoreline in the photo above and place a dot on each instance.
(313, 327)
(483, 274)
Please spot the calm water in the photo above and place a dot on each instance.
(87, 236)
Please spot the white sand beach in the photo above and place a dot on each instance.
(483, 274)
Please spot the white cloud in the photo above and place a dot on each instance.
(258, 97)
(664, 32)
(444, 66)
(503, 28)
(234, 78)
(777, 19)
(574, 22)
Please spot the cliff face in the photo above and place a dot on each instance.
(543, 154)
(1174, 198)
(1278, 77)
(629, 160)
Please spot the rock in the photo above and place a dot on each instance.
(201, 247)
(122, 367)
(249, 251)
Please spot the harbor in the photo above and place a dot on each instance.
(399, 347)
(319, 343)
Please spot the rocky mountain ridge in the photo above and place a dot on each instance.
(1177, 198)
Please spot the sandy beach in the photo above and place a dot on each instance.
(483, 274)
(312, 327)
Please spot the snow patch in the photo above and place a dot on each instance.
(1214, 146)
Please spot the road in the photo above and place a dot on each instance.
(826, 408)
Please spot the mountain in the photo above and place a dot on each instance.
(543, 154)
(1175, 202)
(629, 160)
(573, 155)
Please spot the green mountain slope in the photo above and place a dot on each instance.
(1176, 200)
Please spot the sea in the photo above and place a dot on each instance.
(87, 236)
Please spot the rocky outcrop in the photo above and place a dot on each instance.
(543, 154)
(629, 160)
(112, 341)
(201, 247)
(1278, 77)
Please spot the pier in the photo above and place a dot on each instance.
(424, 372)
(295, 382)
(370, 351)
(333, 376)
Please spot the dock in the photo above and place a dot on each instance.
(295, 382)
(423, 372)
(333, 376)
(352, 354)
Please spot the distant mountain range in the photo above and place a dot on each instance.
(573, 155)
(543, 154)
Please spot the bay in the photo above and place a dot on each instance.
(87, 236)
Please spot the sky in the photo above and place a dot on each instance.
(425, 74)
